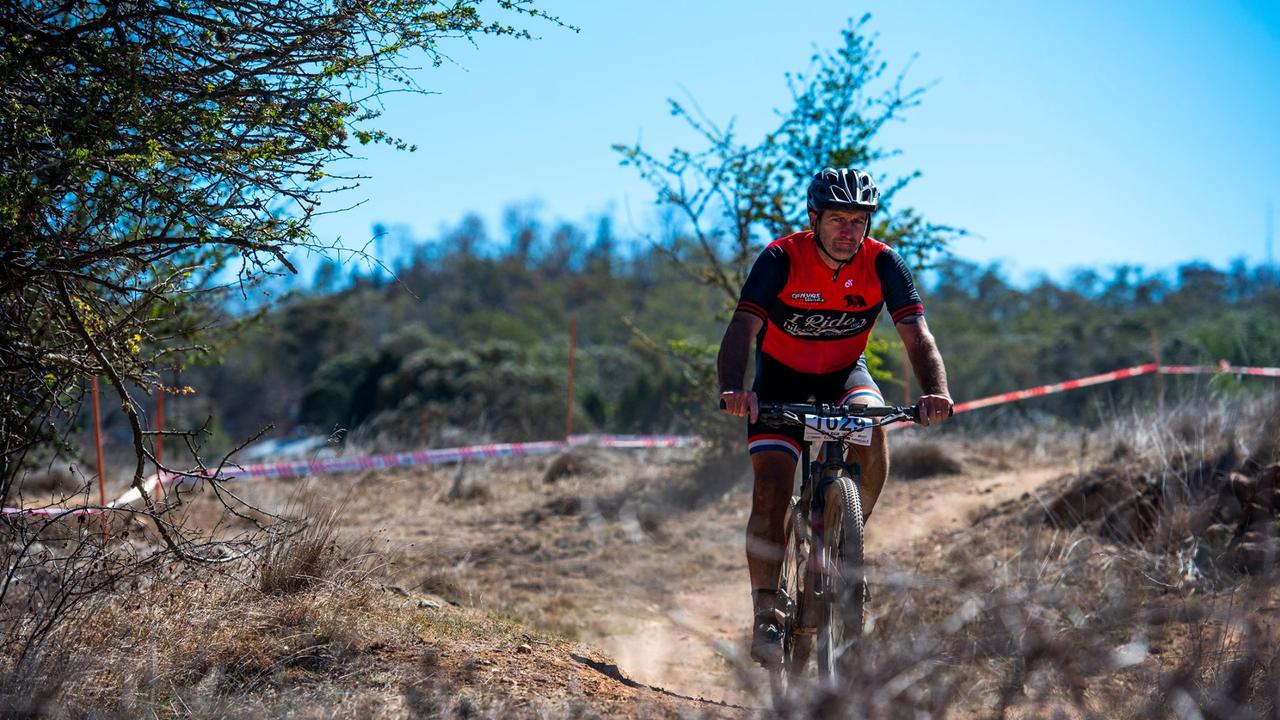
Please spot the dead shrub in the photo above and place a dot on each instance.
(51, 480)
(913, 460)
(715, 472)
(308, 552)
(1201, 481)
(576, 462)
(466, 487)
(31, 689)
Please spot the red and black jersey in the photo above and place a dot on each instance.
(818, 320)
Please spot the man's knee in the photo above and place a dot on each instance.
(877, 453)
(774, 475)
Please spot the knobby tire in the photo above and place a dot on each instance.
(840, 616)
(790, 588)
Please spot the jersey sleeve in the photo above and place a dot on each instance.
(767, 278)
(900, 295)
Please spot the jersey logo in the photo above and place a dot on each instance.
(823, 325)
(809, 297)
(854, 301)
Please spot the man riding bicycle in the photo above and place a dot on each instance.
(810, 301)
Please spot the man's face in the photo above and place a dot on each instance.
(841, 231)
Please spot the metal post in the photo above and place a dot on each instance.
(159, 443)
(97, 441)
(573, 345)
(1155, 354)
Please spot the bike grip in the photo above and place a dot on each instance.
(915, 412)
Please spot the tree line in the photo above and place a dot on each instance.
(469, 339)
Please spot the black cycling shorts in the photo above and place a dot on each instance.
(776, 382)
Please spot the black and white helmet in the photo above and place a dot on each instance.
(843, 189)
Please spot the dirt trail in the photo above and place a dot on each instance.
(694, 645)
(641, 558)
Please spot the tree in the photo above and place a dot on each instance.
(734, 197)
(151, 151)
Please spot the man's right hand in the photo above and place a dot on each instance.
(740, 402)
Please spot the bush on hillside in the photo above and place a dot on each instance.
(1203, 482)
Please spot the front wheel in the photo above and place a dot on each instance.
(841, 575)
(791, 588)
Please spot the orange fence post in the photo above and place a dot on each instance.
(1155, 355)
(573, 346)
(97, 440)
(160, 440)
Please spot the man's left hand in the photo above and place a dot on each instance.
(934, 408)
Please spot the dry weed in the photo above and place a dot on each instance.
(916, 459)
(1093, 614)
(306, 552)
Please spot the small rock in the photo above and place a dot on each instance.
(430, 658)
(1256, 535)
(1229, 509)
(1219, 533)
(429, 604)
(1254, 557)
(1243, 487)
(524, 649)
(1257, 513)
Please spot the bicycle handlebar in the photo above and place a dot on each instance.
(792, 412)
(884, 414)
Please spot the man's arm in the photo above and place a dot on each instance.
(731, 364)
(926, 361)
(734, 349)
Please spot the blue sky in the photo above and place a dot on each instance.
(1059, 134)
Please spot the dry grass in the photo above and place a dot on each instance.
(1012, 617)
(307, 551)
(1029, 615)
(215, 645)
(573, 463)
(915, 459)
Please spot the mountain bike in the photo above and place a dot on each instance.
(822, 589)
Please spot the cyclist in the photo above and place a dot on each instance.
(810, 301)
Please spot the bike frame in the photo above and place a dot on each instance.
(819, 474)
(807, 531)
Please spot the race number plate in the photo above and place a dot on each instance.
(850, 429)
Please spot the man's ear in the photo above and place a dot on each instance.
(813, 220)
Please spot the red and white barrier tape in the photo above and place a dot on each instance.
(445, 456)
(1098, 379)
(1222, 368)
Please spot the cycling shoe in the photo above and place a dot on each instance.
(766, 638)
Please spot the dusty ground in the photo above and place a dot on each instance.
(614, 585)
(630, 555)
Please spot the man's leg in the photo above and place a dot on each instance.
(861, 389)
(874, 459)
(774, 475)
